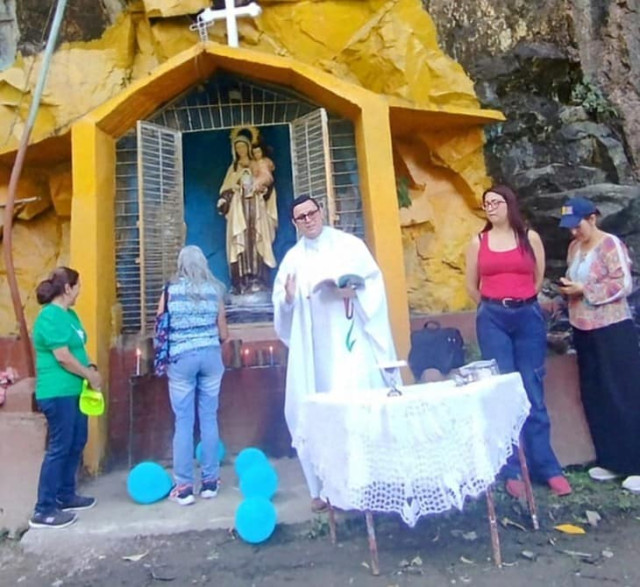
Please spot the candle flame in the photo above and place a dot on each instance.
(138, 352)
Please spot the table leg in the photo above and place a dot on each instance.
(528, 490)
(332, 523)
(493, 527)
(373, 545)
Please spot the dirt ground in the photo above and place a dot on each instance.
(450, 549)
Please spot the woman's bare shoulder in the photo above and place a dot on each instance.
(533, 236)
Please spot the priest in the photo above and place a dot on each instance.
(330, 309)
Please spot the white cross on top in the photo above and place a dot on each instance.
(230, 13)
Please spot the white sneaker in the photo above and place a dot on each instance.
(632, 483)
(182, 494)
(602, 474)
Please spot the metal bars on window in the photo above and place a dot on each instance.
(127, 233)
(310, 150)
(161, 205)
(221, 103)
(229, 104)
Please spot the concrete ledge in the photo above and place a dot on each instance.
(116, 516)
(20, 397)
(22, 443)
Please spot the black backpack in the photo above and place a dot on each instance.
(435, 347)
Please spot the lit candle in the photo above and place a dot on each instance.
(138, 360)
(246, 358)
(271, 355)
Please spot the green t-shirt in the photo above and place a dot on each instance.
(55, 328)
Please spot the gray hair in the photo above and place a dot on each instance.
(194, 268)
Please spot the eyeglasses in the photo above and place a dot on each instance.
(492, 204)
(308, 216)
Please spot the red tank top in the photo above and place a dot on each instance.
(505, 274)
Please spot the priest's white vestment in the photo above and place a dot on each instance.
(327, 350)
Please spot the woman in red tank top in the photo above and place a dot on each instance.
(505, 268)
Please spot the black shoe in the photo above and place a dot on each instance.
(209, 489)
(54, 519)
(77, 503)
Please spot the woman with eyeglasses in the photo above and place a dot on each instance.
(505, 269)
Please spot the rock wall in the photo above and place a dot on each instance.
(566, 73)
(84, 20)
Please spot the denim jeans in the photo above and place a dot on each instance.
(195, 376)
(516, 339)
(67, 438)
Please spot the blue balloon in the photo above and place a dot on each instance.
(222, 451)
(148, 482)
(247, 458)
(255, 519)
(261, 480)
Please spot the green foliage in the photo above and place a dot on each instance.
(590, 97)
(402, 188)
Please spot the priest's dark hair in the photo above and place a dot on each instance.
(301, 200)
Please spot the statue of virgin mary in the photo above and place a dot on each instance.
(252, 216)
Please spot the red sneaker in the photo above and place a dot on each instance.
(559, 485)
(515, 488)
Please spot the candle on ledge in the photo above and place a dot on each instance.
(138, 360)
(271, 355)
(246, 362)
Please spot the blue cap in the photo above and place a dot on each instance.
(574, 210)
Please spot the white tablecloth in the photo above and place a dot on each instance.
(415, 454)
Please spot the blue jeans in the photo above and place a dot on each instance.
(195, 376)
(68, 432)
(516, 339)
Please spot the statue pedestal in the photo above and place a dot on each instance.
(249, 307)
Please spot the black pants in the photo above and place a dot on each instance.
(609, 364)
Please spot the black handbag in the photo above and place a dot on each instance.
(435, 347)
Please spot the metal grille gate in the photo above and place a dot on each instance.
(329, 168)
(161, 205)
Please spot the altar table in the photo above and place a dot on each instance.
(422, 452)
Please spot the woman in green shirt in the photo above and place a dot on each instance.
(61, 365)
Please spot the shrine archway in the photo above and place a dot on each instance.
(95, 219)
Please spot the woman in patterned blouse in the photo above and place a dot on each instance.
(597, 284)
(198, 327)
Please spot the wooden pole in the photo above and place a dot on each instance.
(16, 171)
(528, 489)
(373, 544)
(493, 528)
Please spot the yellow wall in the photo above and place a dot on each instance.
(381, 215)
(92, 254)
